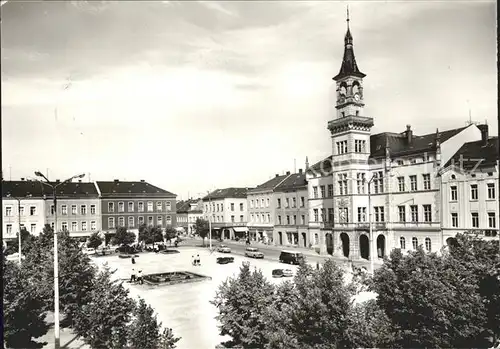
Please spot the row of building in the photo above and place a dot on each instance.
(84, 207)
(410, 189)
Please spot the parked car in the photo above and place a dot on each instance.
(225, 260)
(89, 250)
(126, 249)
(253, 252)
(291, 257)
(280, 273)
(223, 249)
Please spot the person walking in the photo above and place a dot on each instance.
(132, 277)
(133, 260)
(197, 260)
(139, 277)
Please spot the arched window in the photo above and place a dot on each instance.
(428, 244)
(402, 243)
(343, 89)
(414, 242)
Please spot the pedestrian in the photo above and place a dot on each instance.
(193, 260)
(139, 277)
(132, 277)
(133, 260)
(317, 265)
(198, 262)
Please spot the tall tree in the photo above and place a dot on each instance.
(170, 234)
(123, 237)
(201, 227)
(95, 240)
(150, 234)
(23, 314)
(242, 302)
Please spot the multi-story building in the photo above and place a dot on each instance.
(469, 190)
(78, 208)
(388, 182)
(291, 225)
(227, 211)
(187, 213)
(261, 203)
(22, 201)
(131, 204)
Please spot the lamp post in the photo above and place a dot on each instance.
(19, 222)
(57, 341)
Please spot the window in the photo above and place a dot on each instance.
(359, 145)
(402, 243)
(9, 229)
(64, 226)
(316, 214)
(121, 207)
(330, 215)
(454, 193)
(251, 203)
(140, 220)
(232, 219)
(294, 202)
(267, 202)
(413, 183)
(232, 206)
(169, 220)
(428, 244)
(150, 220)
(360, 182)
(323, 192)
(302, 219)
(241, 218)
(218, 207)
(379, 213)
(130, 206)
(279, 220)
(52, 209)
(111, 222)
(33, 228)
(52, 225)
(83, 210)
(131, 222)
(361, 214)
(64, 209)
(150, 206)
(93, 225)
(140, 206)
(475, 219)
(121, 221)
(294, 219)
(323, 215)
(73, 209)
(491, 190)
(159, 220)
(92, 209)
(222, 207)
(159, 206)
(287, 219)
(241, 206)
(8, 210)
(303, 200)
(32, 210)
(261, 202)
(84, 226)
(414, 242)
(400, 162)
(378, 182)
(342, 181)
(402, 213)
(427, 181)
(168, 206)
(342, 147)
(111, 207)
(344, 215)
(401, 183)
(427, 214)
(454, 220)
(315, 192)
(414, 213)
(287, 203)
(330, 190)
(491, 220)
(473, 192)
(279, 203)
(74, 226)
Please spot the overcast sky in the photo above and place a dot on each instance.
(191, 96)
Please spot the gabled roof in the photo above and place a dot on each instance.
(270, 184)
(476, 155)
(137, 188)
(185, 206)
(294, 181)
(238, 193)
(36, 189)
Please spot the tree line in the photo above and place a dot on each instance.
(94, 305)
(424, 300)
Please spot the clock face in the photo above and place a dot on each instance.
(356, 97)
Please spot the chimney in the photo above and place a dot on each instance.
(79, 181)
(409, 134)
(300, 171)
(484, 134)
(277, 174)
(22, 178)
(116, 180)
(142, 180)
(287, 173)
(58, 181)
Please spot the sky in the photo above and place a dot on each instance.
(192, 96)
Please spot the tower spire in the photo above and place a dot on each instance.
(347, 20)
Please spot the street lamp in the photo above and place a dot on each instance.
(19, 220)
(57, 342)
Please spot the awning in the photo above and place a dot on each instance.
(240, 229)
